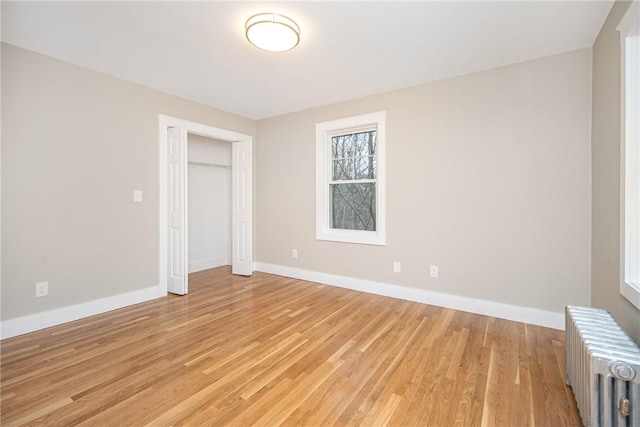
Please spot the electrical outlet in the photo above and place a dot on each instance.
(294, 253)
(42, 289)
(397, 267)
(433, 271)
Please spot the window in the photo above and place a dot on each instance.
(629, 29)
(350, 179)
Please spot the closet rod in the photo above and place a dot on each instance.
(212, 165)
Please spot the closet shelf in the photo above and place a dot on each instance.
(211, 165)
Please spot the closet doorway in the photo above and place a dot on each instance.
(174, 199)
(209, 203)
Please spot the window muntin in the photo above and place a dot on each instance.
(350, 179)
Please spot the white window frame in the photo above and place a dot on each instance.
(324, 132)
(629, 29)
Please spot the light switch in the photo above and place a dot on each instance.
(137, 196)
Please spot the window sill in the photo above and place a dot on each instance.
(631, 292)
(346, 236)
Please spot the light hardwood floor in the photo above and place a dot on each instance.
(269, 350)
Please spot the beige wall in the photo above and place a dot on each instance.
(488, 178)
(605, 249)
(75, 145)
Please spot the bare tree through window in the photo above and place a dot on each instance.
(353, 181)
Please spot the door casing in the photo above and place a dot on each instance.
(236, 138)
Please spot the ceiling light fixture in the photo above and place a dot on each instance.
(272, 32)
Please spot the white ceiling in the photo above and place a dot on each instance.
(197, 50)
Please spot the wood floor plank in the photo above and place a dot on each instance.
(270, 350)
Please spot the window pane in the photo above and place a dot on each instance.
(343, 169)
(353, 206)
(365, 143)
(342, 146)
(365, 167)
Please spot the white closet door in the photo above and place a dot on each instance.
(178, 281)
(241, 208)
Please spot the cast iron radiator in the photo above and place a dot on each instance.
(603, 368)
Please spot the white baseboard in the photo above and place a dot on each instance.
(529, 315)
(34, 322)
(208, 263)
